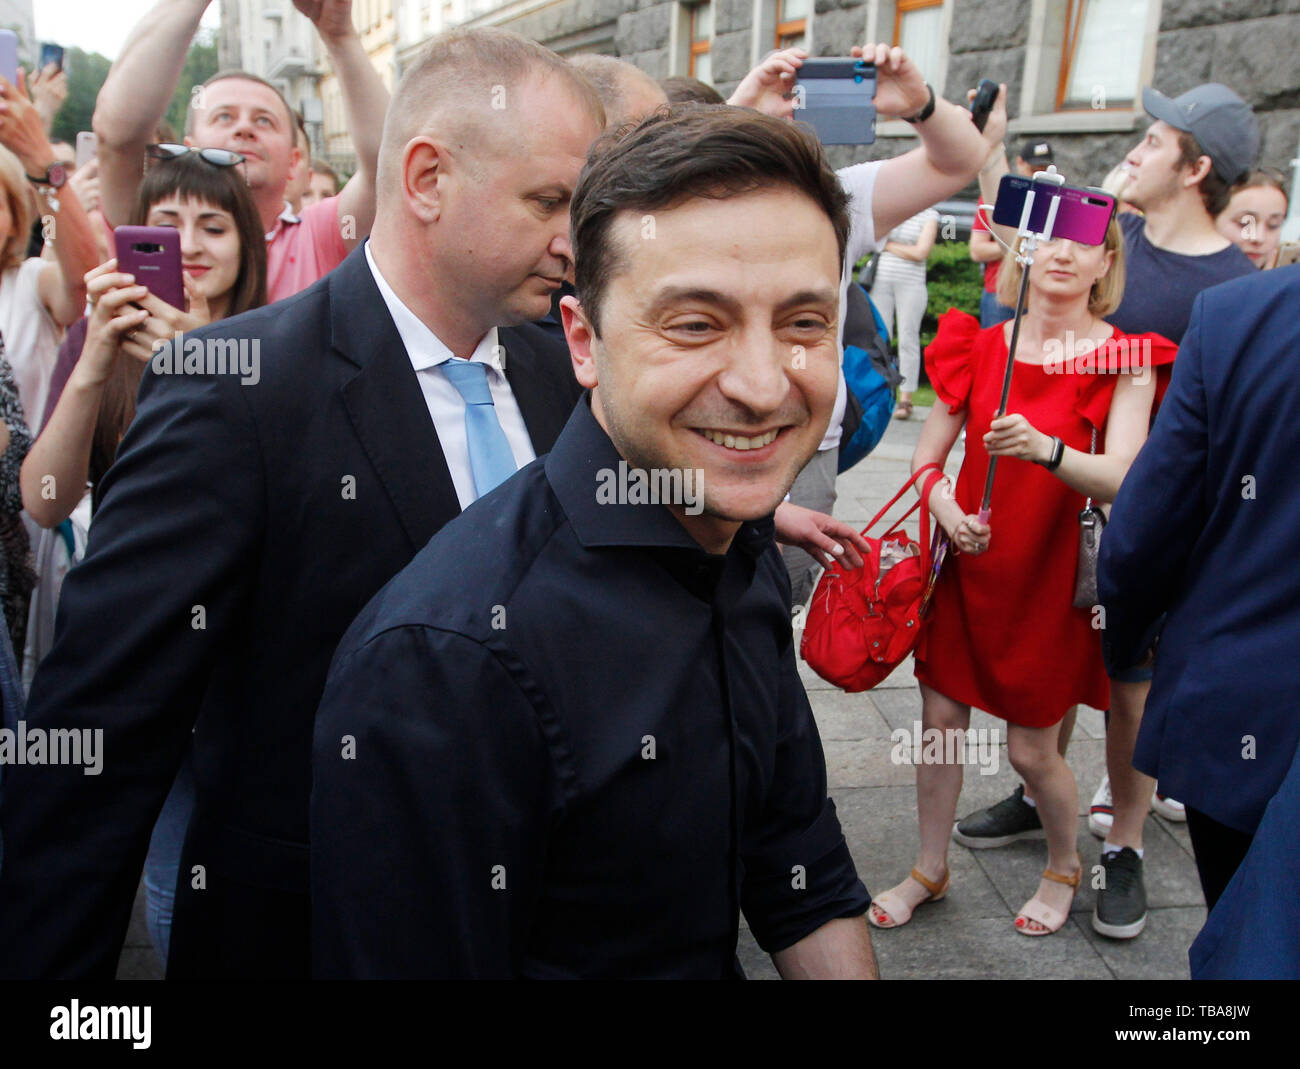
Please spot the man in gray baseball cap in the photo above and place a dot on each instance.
(1222, 123)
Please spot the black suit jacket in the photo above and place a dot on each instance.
(243, 526)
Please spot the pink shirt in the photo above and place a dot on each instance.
(297, 254)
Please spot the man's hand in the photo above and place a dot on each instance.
(900, 88)
(49, 90)
(332, 18)
(822, 537)
(767, 86)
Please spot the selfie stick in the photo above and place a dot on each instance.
(1028, 244)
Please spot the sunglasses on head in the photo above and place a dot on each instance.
(218, 157)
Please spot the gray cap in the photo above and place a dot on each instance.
(1222, 123)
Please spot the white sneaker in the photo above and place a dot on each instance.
(1169, 808)
(1101, 814)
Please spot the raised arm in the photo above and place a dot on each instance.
(61, 286)
(366, 102)
(952, 149)
(135, 96)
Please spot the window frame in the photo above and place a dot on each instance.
(790, 27)
(696, 47)
(1075, 12)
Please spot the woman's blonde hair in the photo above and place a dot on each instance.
(1107, 291)
(21, 210)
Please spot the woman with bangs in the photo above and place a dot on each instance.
(1004, 635)
(201, 193)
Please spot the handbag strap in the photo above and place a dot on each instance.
(1092, 451)
(933, 474)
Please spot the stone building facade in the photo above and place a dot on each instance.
(1040, 48)
(1249, 45)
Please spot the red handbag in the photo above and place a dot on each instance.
(863, 622)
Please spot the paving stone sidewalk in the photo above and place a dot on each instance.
(970, 934)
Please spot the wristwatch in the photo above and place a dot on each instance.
(925, 112)
(55, 176)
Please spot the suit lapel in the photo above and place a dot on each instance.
(386, 405)
(543, 402)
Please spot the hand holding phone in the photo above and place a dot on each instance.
(153, 255)
(982, 103)
(87, 147)
(836, 96)
(51, 53)
(9, 56)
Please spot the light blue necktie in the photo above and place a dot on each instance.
(490, 458)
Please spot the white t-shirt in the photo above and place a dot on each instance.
(894, 268)
(859, 181)
(31, 336)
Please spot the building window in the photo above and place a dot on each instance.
(918, 31)
(701, 37)
(1101, 55)
(792, 23)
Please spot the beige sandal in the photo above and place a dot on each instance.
(1038, 910)
(897, 910)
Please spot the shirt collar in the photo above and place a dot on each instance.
(423, 347)
(288, 216)
(583, 460)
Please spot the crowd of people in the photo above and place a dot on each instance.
(356, 722)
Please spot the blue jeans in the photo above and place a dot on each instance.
(162, 866)
(991, 311)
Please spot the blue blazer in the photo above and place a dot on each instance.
(1207, 528)
(243, 526)
(1254, 929)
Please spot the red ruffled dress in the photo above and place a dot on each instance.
(1003, 634)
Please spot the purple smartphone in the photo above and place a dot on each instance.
(1083, 214)
(153, 255)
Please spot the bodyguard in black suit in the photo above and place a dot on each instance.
(245, 524)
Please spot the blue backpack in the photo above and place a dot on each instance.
(871, 375)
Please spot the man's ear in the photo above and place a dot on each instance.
(1198, 170)
(581, 337)
(423, 164)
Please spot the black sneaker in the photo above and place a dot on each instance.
(1121, 910)
(1009, 820)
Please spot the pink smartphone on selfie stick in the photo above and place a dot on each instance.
(1041, 208)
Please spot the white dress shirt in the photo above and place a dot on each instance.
(446, 406)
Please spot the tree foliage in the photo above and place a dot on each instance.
(88, 70)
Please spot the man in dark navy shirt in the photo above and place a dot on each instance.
(1180, 177)
(569, 740)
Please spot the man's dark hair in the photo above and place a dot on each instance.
(684, 151)
(1215, 192)
(682, 90)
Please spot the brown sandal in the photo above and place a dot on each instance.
(904, 410)
(894, 907)
(1038, 910)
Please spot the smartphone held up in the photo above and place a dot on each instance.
(837, 97)
(1076, 213)
(152, 254)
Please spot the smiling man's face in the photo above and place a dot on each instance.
(718, 347)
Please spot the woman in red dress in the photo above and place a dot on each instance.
(1003, 634)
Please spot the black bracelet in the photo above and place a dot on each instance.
(1058, 451)
(926, 111)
